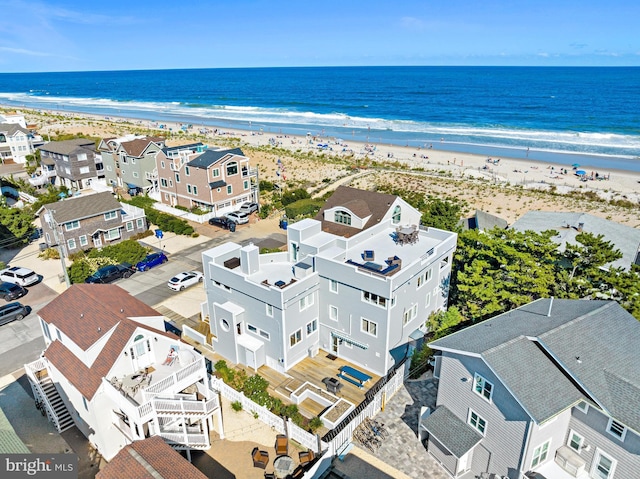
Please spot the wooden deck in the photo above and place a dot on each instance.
(313, 370)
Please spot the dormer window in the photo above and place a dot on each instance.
(397, 215)
(342, 217)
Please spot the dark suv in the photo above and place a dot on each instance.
(10, 291)
(12, 311)
(223, 222)
(109, 273)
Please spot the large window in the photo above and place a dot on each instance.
(295, 338)
(374, 299)
(540, 454)
(482, 387)
(112, 234)
(342, 217)
(72, 225)
(424, 277)
(232, 168)
(410, 314)
(83, 240)
(163, 182)
(312, 326)
(575, 441)
(71, 243)
(369, 327)
(477, 422)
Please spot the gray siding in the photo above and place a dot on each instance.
(444, 457)
(556, 430)
(592, 426)
(506, 420)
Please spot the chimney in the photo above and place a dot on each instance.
(550, 306)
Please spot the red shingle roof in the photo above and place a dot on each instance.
(151, 458)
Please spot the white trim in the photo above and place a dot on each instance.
(623, 433)
(479, 418)
(596, 460)
(539, 448)
(584, 408)
(570, 438)
(479, 378)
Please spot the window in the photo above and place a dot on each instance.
(444, 262)
(84, 170)
(424, 277)
(397, 214)
(232, 168)
(195, 190)
(83, 240)
(368, 326)
(224, 324)
(540, 454)
(312, 326)
(410, 314)
(603, 466)
(575, 441)
(71, 243)
(229, 189)
(333, 313)
(252, 328)
(139, 223)
(374, 299)
(111, 215)
(333, 286)
(617, 429)
(215, 173)
(264, 334)
(162, 165)
(342, 217)
(583, 406)
(135, 174)
(188, 188)
(427, 301)
(112, 234)
(482, 387)
(477, 422)
(306, 302)
(269, 310)
(245, 184)
(72, 225)
(163, 182)
(295, 338)
(186, 171)
(177, 178)
(84, 403)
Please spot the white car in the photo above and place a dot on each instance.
(183, 280)
(18, 275)
(238, 217)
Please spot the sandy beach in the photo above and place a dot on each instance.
(504, 186)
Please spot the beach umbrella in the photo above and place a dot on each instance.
(581, 172)
(575, 165)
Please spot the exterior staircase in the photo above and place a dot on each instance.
(47, 397)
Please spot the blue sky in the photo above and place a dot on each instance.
(137, 34)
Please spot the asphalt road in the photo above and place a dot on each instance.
(21, 341)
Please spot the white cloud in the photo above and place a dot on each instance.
(24, 51)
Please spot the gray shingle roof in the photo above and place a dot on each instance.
(67, 147)
(209, 157)
(82, 206)
(11, 128)
(593, 342)
(456, 435)
(624, 238)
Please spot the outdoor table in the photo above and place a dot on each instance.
(283, 466)
(130, 381)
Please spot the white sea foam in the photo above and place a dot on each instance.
(596, 142)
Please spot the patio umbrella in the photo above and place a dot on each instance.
(581, 172)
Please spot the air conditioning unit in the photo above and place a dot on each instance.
(313, 351)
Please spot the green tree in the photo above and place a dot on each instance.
(442, 214)
(16, 226)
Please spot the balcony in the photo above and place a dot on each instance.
(151, 175)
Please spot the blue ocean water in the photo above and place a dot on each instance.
(589, 115)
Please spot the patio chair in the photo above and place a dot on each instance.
(269, 475)
(305, 457)
(260, 458)
(297, 473)
(282, 445)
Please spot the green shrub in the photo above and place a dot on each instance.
(305, 208)
(291, 196)
(265, 211)
(315, 424)
(236, 406)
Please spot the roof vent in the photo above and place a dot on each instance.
(99, 329)
(82, 315)
(550, 306)
(121, 310)
(578, 360)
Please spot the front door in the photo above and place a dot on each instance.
(251, 359)
(334, 345)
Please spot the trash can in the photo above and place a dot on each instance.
(232, 226)
(284, 224)
(42, 246)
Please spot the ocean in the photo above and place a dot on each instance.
(588, 115)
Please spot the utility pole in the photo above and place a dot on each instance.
(61, 249)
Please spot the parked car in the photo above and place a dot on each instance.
(249, 208)
(184, 280)
(111, 272)
(10, 291)
(534, 475)
(152, 260)
(223, 222)
(12, 311)
(238, 217)
(19, 275)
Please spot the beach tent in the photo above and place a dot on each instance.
(581, 172)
